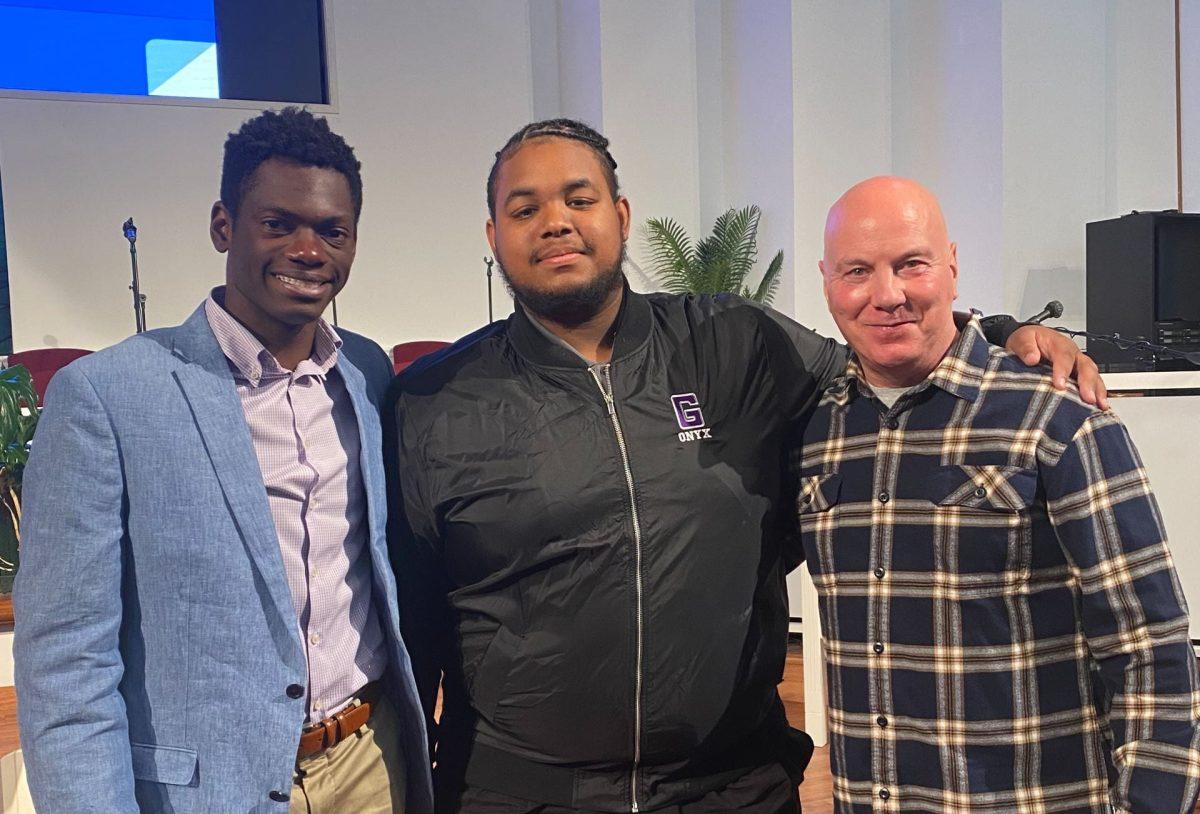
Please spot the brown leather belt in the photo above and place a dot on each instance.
(336, 728)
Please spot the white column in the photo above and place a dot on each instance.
(816, 722)
(757, 112)
(947, 127)
(648, 70)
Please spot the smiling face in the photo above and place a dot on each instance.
(890, 276)
(289, 249)
(558, 233)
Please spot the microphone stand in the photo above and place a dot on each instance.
(489, 262)
(139, 299)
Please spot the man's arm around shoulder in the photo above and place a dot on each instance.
(68, 608)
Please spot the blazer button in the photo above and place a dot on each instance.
(279, 796)
(295, 691)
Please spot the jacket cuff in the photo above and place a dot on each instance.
(999, 327)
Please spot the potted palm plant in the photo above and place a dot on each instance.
(721, 262)
(18, 420)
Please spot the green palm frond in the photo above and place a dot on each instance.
(18, 418)
(769, 283)
(721, 262)
(709, 273)
(671, 253)
(736, 236)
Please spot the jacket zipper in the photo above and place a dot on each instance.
(606, 390)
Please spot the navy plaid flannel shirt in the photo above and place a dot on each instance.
(1005, 631)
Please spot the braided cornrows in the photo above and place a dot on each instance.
(554, 128)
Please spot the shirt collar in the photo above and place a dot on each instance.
(633, 326)
(959, 373)
(253, 362)
(555, 338)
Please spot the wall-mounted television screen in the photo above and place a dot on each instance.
(266, 50)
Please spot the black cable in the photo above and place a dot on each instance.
(1133, 344)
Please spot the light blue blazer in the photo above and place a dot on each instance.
(155, 631)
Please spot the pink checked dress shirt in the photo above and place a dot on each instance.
(306, 437)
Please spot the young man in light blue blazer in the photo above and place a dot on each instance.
(206, 618)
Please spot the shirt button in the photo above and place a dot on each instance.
(294, 691)
(893, 424)
(879, 572)
(882, 720)
(279, 796)
(878, 648)
(884, 794)
(981, 492)
(884, 497)
(314, 638)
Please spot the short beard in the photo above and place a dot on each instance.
(569, 308)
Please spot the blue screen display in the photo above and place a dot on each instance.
(132, 47)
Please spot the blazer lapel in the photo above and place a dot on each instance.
(208, 386)
(371, 466)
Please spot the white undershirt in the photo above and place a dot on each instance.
(889, 395)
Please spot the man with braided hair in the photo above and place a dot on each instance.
(592, 518)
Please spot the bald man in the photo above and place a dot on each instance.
(1004, 627)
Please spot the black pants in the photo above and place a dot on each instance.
(765, 790)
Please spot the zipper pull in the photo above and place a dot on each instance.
(605, 391)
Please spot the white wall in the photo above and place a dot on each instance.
(1028, 118)
(1088, 135)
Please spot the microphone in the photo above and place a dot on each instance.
(1053, 310)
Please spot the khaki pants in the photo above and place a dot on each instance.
(364, 773)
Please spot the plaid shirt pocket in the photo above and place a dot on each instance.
(818, 493)
(989, 487)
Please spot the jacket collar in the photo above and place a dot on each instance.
(194, 342)
(632, 326)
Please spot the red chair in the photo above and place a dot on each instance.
(43, 363)
(406, 353)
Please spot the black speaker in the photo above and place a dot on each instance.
(1143, 282)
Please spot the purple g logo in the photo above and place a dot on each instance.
(687, 411)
